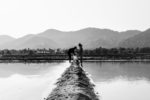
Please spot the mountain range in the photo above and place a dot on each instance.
(90, 38)
(141, 40)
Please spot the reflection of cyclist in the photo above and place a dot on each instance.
(71, 52)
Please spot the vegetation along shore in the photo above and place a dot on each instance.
(100, 54)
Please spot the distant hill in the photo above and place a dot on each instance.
(139, 40)
(30, 41)
(5, 39)
(90, 37)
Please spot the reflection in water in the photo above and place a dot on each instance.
(108, 71)
(8, 69)
(124, 90)
(28, 82)
(114, 80)
(121, 81)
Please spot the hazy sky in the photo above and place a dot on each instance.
(20, 17)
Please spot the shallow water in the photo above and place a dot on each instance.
(114, 81)
(121, 81)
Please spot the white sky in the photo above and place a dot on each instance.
(20, 17)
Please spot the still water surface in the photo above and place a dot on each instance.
(114, 80)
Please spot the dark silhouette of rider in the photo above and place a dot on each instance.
(71, 52)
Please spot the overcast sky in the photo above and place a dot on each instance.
(20, 17)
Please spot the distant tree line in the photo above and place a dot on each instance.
(119, 53)
(30, 51)
(61, 54)
(116, 51)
